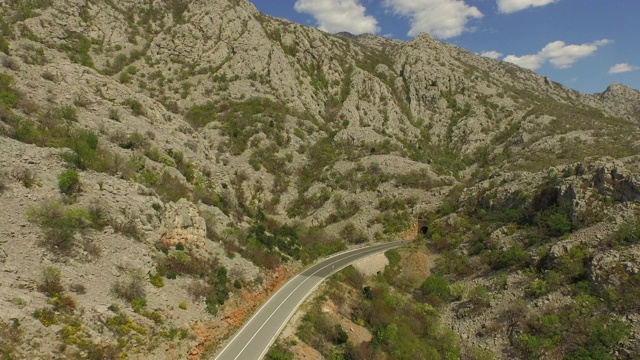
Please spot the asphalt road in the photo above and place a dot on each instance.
(253, 340)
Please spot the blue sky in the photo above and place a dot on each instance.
(583, 44)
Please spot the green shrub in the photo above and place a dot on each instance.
(479, 296)
(170, 188)
(8, 95)
(3, 183)
(352, 235)
(135, 140)
(59, 224)
(278, 352)
(46, 316)
(84, 146)
(628, 233)
(478, 353)
(555, 221)
(50, 281)
(394, 257)
(515, 255)
(178, 8)
(435, 290)
(114, 114)
(124, 78)
(67, 112)
(69, 182)
(4, 45)
(136, 107)
(156, 280)
(200, 115)
(215, 288)
(537, 288)
(78, 47)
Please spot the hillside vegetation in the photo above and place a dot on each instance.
(166, 164)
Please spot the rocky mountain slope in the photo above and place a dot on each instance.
(167, 163)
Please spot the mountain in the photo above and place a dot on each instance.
(168, 163)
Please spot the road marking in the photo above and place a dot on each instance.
(373, 249)
(274, 295)
(273, 338)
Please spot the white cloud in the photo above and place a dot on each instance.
(511, 6)
(531, 62)
(563, 56)
(622, 68)
(491, 54)
(440, 18)
(339, 15)
(558, 53)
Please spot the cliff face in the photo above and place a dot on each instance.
(215, 147)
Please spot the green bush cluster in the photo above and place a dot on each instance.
(278, 352)
(135, 141)
(83, 144)
(416, 180)
(628, 233)
(67, 112)
(352, 235)
(51, 281)
(267, 242)
(5, 31)
(178, 8)
(136, 107)
(394, 214)
(581, 329)
(60, 224)
(304, 205)
(69, 182)
(186, 167)
(320, 155)
(216, 287)
(171, 188)
(365, 178)
(404, 329)
(435, 290)
(8, 94)
(514, 256)
(77, 48)
(11, 337)
(84, 150)
(201, 115)
(269, 158)
(322, 333)
(129, 333)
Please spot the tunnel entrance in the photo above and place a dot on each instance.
(423, 227)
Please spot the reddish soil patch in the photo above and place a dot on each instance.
(211, 332)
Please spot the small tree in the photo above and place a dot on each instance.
(50, 281)
(435, 290)
(69, 182)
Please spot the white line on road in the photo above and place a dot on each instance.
(298, 305)
(307, 277)
(273, 296)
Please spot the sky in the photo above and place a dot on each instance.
(583, 44)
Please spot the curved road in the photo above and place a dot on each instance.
(253, 340)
